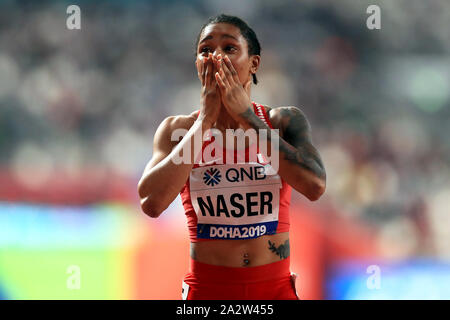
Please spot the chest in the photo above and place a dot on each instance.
(235, 201)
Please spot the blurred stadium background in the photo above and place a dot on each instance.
(78, 110)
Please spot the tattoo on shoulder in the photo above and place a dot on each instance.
(282, 250)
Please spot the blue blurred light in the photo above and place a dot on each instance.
(414, 279)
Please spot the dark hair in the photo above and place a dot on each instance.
(254, 47)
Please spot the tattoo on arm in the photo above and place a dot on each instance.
(296, 145)
(298, 148)
(282, 251)
(254, 121)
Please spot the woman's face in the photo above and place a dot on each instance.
(226, 39)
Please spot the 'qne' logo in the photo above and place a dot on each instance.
(212, 177)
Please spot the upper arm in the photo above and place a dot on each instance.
(296, 145)
(154, 197)
(296, 130)
(162, 144)
(295, 126)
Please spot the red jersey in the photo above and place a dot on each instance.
(236, 199)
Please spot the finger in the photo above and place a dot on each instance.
(230, 67)
(217, 61)
(211, 68)
(203, 68)
(247, 85)
(199, 66)
(207, 72)
(220, 82)
(225, 74)
(224, 77)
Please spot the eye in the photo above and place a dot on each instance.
(230, 48)
(204, 49)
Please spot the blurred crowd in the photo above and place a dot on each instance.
(378, 100)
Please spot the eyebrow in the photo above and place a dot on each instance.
(223, 36)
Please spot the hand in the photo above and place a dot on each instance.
(210, 94)
(234, 94)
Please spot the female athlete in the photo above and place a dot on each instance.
(237, 211)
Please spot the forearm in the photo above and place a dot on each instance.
(302, 169)
(301, 157)
(299, 167)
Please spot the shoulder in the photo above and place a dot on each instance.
(284, 117)
(179, 121)
(172, 123)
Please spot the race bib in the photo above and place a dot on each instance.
(235, 201)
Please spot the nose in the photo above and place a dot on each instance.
(217, 52)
